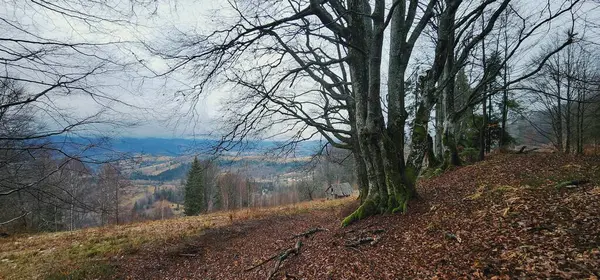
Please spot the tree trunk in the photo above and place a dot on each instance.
(360, 171)
(488, 146)
(482, 129)
(439, 129)
(558, 118)
(449, 125)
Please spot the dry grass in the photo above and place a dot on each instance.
(86, 253)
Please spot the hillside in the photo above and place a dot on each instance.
(507, 217)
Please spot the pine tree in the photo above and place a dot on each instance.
(194, 190)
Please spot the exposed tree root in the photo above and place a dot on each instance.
(368, 208)
(402, 205)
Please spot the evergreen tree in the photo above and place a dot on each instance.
(194, 190)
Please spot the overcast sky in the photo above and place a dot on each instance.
(149, 102)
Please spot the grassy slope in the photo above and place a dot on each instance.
(83, 253)
(501, 217)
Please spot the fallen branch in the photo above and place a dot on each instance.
(360, 241)
(309, 232)
(571, 184)
(188, 255)
(523, 151)
(280, 256)
(285, 255)
(14, 219)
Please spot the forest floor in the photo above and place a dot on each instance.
(506, 217)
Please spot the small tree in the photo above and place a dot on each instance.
(194, 190)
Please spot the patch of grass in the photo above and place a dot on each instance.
(431, 173)
(478, 193)
(534, 181)
(485, 189)
(504, 189)
(96, 270)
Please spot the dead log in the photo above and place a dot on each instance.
(521, 150)
(309, 232)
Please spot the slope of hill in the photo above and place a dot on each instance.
(507, 217)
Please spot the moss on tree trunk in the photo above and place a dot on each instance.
(368, 208)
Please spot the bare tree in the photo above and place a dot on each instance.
(560, 94)
(43, 70)
(319, 73)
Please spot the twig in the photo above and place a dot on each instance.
(188, 255)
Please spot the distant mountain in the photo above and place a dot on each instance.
(179, 146)
(179, 172)
(172, 146)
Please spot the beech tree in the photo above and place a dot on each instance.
(319, 72)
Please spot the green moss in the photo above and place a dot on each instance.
(402, 204)
(392, 203)
(368, 208)
(504, 189)
(431, 172)
(419, 133)
(411, 175)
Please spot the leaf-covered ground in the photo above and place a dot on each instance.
(502, 218)
(499, 219)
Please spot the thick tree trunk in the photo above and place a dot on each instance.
(449, 126)
(381, 151)
(432, 161)
(360, 171)
(439, 129)
(391, 181)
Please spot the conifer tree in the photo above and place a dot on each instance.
(194, 190)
